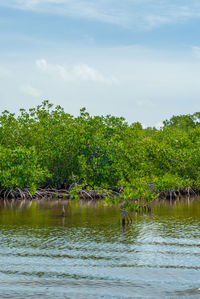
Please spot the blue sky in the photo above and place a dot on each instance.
(134, 58)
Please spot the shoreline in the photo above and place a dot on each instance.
(84, 194)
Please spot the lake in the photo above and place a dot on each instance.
(87, 254)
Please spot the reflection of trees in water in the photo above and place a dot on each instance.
(97, 221)
(15, 204)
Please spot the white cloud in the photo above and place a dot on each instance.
(30, 91)
(144, 14)
(154, 84)
(79, 72)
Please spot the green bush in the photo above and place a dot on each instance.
(45, 146)
(19, 168)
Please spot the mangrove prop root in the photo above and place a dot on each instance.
(85, 194)
(124, 217)
(18, 193)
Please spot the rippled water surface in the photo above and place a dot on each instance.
(88, 255)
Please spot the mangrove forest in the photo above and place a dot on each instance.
(45, 151)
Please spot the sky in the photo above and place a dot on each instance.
(139, 59)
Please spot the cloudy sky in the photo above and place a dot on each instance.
(134, 58)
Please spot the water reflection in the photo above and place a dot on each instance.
(86, 253)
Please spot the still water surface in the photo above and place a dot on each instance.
(88, 255)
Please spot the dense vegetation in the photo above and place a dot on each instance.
(46, 147)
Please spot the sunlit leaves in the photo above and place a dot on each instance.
(45, 146)
(20, 168)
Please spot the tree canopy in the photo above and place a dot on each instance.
(45, 146)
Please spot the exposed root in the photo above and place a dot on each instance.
(18, 193)
(173, 194)
(85, 194)
(124, 217)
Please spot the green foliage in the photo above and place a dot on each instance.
(185, 122)
(45, 146)
(19, 168)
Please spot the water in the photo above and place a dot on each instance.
(88, 255)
